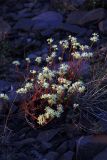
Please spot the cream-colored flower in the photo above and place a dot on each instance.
(28, 60)
(16, 63)
(50, 40)
(4, 96)
(38, 60)
(33, 71)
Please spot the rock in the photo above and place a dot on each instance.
(33, 55)
(102, 155)
(51, 156)
(72, 144)
(48, 20)
(67, 5)
(73, 29)
(24, 24)
(24, 142)
(5, 28)
(45, 146)
(4, 107)
(4, 86)
(67, 156)
(90, 145)
(75, 17)
(78, 3)
(62, 148)
(95, 16)
(47, 135)
(103, 26)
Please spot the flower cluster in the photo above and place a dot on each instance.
(50, 114)
(94, 38)
(28, 87)
(54, 86)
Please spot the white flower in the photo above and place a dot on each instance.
(64, 44)
(29, 86)
(94, 38)
(50, 112)
(28, 60)
(53, 55)
(84, 47)
(77, 87)
(55, 47)
(63, 68)
(60, 89)
(76, 55)
(81, 89)
(60, 58)
(4, 96)
(38, 60)
(49, 59)
(41, 119)
(49, 40)
(33, 71)
(45, 85)
(16, 63)
(21, 91)
(51, 98)
(75, 105)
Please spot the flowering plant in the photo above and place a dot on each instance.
(51, 89)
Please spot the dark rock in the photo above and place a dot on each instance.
(5, 28)
(78, 2)
(62, 148)
(24, 24)
(51, 155)
(73, 29)
(75, 17)
(4, 86)
(103, 26)
(95, 16)
(33, 55)
(47, 135)
(71, 144)
(4, 107)
(37, 155)
(45, 146)
(47, 20)
(90, 145)
(24, 142)
(67, 156)
(102, 155)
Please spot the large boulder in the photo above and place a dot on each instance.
(75, 17)
(24, 24)
(95, 16)
(90, 146)
(73, 29)
(103, 26)
(48, 20)
(102, 155)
